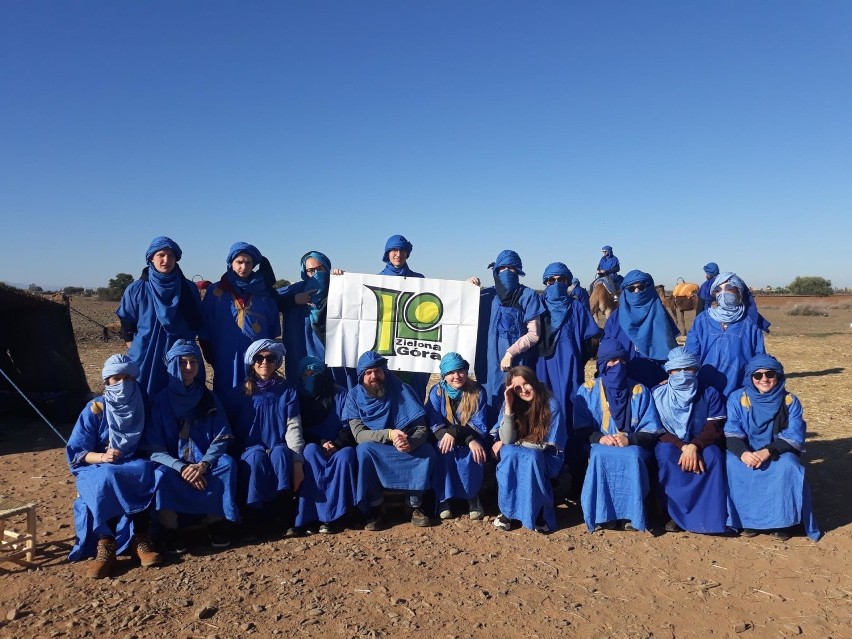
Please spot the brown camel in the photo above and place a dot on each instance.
(684, 298)
(602, 301)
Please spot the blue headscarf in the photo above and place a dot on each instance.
(711, 269)
(276, 348)
(575, 281)
(398, 242)
(255, 284)
(243, 247)
(162, 242)
(556, 296)
(728, 312)
(615, 383)
(675, 399)
(760, 418)
(124, 406)
(507, 283)
(317, 285)
(644, 319)
(184, 399)
(397, 408)
(607, 248)
(313, 364)
(166, 288)
(449, 363)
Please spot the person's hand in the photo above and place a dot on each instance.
(477, 451)
(193, 474)
(110, 456)
(690, 459)
(495, 448)
(446, 444)
(506, 362)
(337, 271)
(750, 459)
(400, 441)
(329, 449)
(474, 280)
(508, 400)
(607, 440)
(621, 440)
(298, 475)
(302, 298)
(127, 345)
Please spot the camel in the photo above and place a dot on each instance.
(684, 298)
(602, 301)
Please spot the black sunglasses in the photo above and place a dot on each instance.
(556, 278)
(759, 375)
(269, 359)
(637, 288)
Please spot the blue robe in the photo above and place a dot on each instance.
(616, 482)
(581, 295)
(646, 371)
(151, 341)
(457, 475)
(500, 327)
(225, 342)
(175, 443)
(524, 474)
(328, 490)
(301, 338)
(724, 354)
(104, 491)
(697, 503)
(777, 494)
(260, 424)
(705, 294)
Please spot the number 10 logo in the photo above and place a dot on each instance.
(406, 315)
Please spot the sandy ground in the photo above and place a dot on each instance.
(461, 578)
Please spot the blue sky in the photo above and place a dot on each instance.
(677, 132)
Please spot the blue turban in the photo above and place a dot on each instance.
(453, 362)
(320, 257)
(120, 365)
(256, 347)
(310, 363)
(763, 361)
(711, 268)
(575, 281)
(243, 247)
(760, 418)
(679, 357)
(610, 348)
(509, 258)
(370, 359)
(608, 249)
(184, 399)
(643, 318)
(556, 269)
(397, 242)
(160, 243)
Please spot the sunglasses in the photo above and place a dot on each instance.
(557, 278)
(759, 375)
(637, 288)
(269, 359)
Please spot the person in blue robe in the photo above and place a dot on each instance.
(608, 268)
(765, 435)
(626, 426)
(268, 441)
(509, 328)
(566, 326)
(395, 257)
(705, 291)
(390, 427)
(579, 293)
(303, 305)
(690, 454)
(239, 309)
(725, 337)
(156, 310)
(643, 326)
(457, 412)
(531, 438)
(188, 438)
(115, 487)
(331, 464)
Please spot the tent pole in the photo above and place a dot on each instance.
(40, 414)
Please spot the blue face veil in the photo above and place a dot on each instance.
(183, 399)
(675, 399)
(507, 283)
(124, 406)
(556, 296)
(614, 380)
(317, 285)
(643, 318)
(728, 310)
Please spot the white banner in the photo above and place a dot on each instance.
(411, 321)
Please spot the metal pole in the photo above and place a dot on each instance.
(40, 414)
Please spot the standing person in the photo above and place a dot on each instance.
(532, 438)
(331, 465)
(238, 310)
(645, 329)
(115, 488)
(765, 435)
(690, 454)
(156, 310)
(608, 266)
(304, 307)
(705, 291)
(457, 412)
(626, 426)
(389, 424)
(188, 438)
(726, 336)
(509, 327)
(266, 420)
(579, 293)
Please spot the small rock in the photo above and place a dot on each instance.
(792, 629)
(315, 612)
(455, 551)
(134, 608)
(13, 614)
(206, 612)
(247, 627)
(258, 608)
(742, 627)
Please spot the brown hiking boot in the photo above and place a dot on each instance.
(102, 564)
(144, 549)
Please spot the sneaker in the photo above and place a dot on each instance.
(420, 519)
(502, 522)
(294, 531)
(328, 529)
(220, 536)
(375, 520)
(174, 542)
(415, 501)
(101, 566)
(474, 506)
(782, 534)
(628, 527)
(609, 525)
(444, 510)
(671, 526)
(542, 528)
(143, 547)
(748, 532)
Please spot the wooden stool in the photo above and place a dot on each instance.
(13, 544)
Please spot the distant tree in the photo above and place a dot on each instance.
(281, 283)
(73, 290)
(810, 285)
(113, 291)
(35, 288)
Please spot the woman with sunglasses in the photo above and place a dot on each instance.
(689, 453)
(530, 446)
(726, 336)
(625, 427)
(765, 435)
(267, 424)
(643, 326)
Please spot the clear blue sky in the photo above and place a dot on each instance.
(678, 132)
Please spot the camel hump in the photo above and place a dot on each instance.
(685, 289)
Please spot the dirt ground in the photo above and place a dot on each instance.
(461, 578)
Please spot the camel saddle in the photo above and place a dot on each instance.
(685, 289)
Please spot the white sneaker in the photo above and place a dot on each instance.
(474, 506)
(444, 510)
(502, 522)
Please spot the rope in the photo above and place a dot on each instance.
(40, 414)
